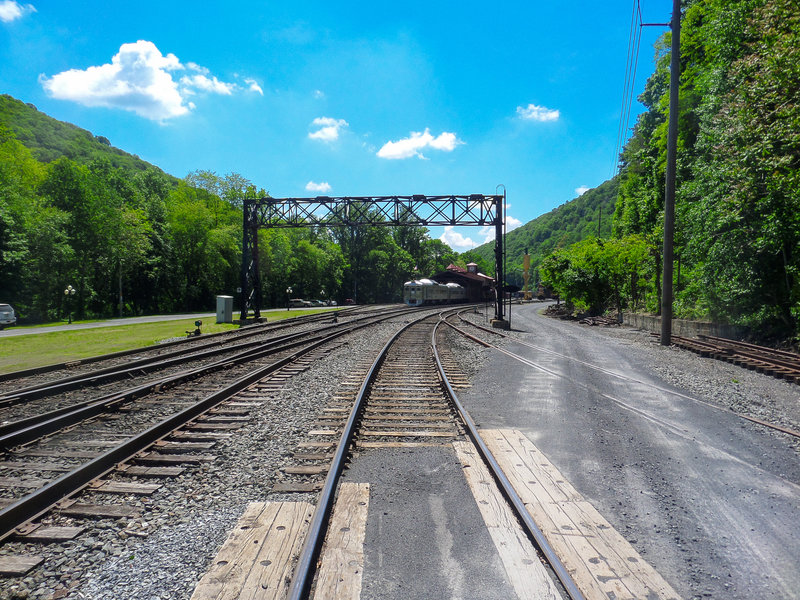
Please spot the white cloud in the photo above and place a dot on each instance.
(254, 87)
(11, 10)
(456, 241)
(318, 187)
(512, 223)
(538, 113)
(319, 94)
(139, 79)
(487, 232)
(412, 146)
(582, 190)
(328, 129)
(205, 84)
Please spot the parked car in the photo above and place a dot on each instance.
(299, 303)
(349, 301)
(7, 316)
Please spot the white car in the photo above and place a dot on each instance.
(7, 316)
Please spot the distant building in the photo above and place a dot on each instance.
(479, 287)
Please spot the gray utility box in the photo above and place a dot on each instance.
(224, 309)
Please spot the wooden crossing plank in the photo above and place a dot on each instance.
(524, 569)
(256, 559)
(16, 565)
(601, 561)
(342, 567)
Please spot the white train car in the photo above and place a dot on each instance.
(424, 292)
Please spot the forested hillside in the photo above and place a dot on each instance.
(130, 239)
(49, 139)
(738, 190)
(588, 215)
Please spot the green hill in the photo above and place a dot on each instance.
(571, 222)
(49, 139)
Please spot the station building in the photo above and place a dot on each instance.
(479, 287)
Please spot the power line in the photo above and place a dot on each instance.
(632, 61)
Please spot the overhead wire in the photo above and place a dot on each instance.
(632, 61)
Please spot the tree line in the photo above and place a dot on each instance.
(137, 241)
(737, 235)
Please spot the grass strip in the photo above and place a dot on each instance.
(36, 350)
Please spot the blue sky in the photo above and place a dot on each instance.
(343, 98)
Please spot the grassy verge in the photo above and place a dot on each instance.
(36, 350)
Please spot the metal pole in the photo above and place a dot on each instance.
(669, 192)
(245, 294)
(499, 255)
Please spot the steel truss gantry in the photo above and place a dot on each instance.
(350, 211)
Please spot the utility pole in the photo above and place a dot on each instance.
(669, 192)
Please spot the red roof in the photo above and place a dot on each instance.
(456, 268)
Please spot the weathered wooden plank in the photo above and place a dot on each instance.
(602, 563)
(155, 458)
(312, 456)
(417, 433)
(342, 567)
(125, 487)
(182, 446)
(256, 559)
(20, 564)
(46, 535)
(213, 426)
(141, 471)
(115, 511)
(525, 572)
(362, 444)
(407, 424)
(324, 432)
(59, 453)
(306, 469)
(297, 487)
(33, 466)
(20, 482)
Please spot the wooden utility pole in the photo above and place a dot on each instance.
(669, 192)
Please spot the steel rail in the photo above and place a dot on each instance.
(136, 368)
(533, 531)
(304, 571)
(43, 499)
(142, 366)
(27, 430)
(275, 326)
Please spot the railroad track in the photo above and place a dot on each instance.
(403, 399)
(778, 363)
(89, 449)
(76, 368)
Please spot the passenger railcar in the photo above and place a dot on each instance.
(424, 292)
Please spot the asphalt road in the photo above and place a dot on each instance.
(710, 500)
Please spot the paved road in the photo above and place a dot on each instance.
(17, 331)
(710, 500)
